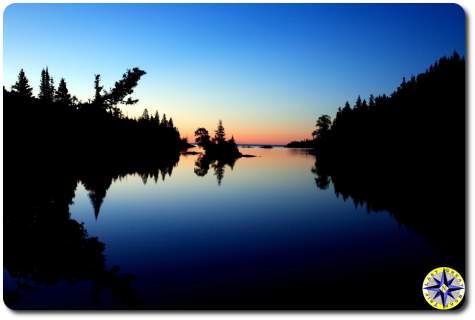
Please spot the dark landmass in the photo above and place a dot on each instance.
(404, 153)
(52, 143)
(301, 144)
(217, 147)
(266, 147)
(55, 122)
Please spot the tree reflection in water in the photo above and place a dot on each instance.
(409, 194)
(43, 246)
(204, 162)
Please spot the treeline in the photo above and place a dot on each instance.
(55, 123)
(306, 143)
(422, 115)
(405, 152)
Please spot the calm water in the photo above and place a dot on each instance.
(264, 236)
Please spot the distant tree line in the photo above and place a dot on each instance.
(306, 143)
(56, 121)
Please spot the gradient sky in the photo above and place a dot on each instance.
(267, 70)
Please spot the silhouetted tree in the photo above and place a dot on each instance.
(371, 103)
(98, 100)
(220, 136)
(347, 107)
(157, 118)
(364, 105)
(46, 94)
(22, 86)
(322, 127)
(202, 137)
(145, 115)
(124, 88)
(62, 95)
(164, 122)
(358, 103)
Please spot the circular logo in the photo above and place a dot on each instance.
(443, 288)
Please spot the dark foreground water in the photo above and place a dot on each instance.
(260, 235)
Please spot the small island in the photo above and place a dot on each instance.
(218, 152)
(218, 148)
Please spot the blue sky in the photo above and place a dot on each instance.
(267, 70)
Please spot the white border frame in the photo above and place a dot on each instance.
(468, 310)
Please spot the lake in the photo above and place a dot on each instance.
(258, 235)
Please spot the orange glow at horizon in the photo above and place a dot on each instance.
(257, 136)
(246, 125)
(276, 131)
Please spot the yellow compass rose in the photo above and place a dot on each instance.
(443, 288)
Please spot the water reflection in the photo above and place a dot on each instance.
(204, 162)
(44, 247)
(413, 199)
(98, 179)
(170, 237)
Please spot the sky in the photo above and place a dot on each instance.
(266, 70)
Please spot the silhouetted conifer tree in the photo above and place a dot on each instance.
(347, 107)
(145, 115)
(46, 94)
(157, 118)
(62, 95)
(364, 105)
(371, 103)
(164, 122)
(358, 103)
(124, 87)
(220, 135)
(22, 86)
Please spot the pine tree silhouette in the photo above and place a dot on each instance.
(22, 86)
(46, 94)
(220, 135)
(62, 95)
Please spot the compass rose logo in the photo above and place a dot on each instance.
(443, 288)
